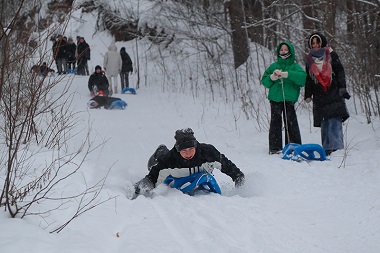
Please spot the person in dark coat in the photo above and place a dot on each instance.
(60, 55)
(187, 157)
(70, 51)
(326, 87)
(108, 103)
(126, 68)
(98, 82)
(83, 54)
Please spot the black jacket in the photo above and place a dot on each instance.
(328, 104)
(99, 80)
(173, 164)
(70, 51)
(83, 50)
(126, 62)
(104, 101)
(59, 49)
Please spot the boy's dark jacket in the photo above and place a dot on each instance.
(205, 154)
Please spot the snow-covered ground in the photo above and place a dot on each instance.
(285, 206)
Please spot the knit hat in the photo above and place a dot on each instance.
(320, 38)
(98, 67)
(185, 139)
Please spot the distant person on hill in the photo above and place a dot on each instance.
(98, 82)
(60, 55)
(70, 51)
(126, 68)
(187, 157)
(112, 65)
(83, 54)
(283, 78)
(326, 87)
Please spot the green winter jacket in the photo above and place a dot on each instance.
(296, 78)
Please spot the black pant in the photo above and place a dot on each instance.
(292, 131)
(124, 79)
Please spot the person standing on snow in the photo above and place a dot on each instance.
(71, 48)
(187, 157)
(112, 65)
(326, 87)
(126, 68)
(283, 78)
(83, 54)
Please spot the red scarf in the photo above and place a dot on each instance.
(320, 74)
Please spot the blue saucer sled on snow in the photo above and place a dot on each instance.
(194, 182)
(127, 89)
(298, 152)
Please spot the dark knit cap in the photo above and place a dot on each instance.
(185, 139)
(98, 67)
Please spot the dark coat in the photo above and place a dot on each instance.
(59, 49)
(173, 164)
(104, 101)
(328, 104)
(99, 80)
(83, 51)
(70, 51)
(126, 61)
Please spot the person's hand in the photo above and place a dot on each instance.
(343, 93)
(240, 180)
(308, 100)
(275, 75)
(143, 186)
(284, 74)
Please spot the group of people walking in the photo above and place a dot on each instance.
(71, 57)
(325, 85)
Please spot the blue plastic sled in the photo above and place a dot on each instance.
(193, 182)
(118, 104)
(126, 89)
(297, 152)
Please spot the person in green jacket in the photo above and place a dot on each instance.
(283, 78)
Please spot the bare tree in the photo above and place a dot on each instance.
(37, 124)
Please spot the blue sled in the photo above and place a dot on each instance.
(126, 89)
(196, 181)
(296, 152)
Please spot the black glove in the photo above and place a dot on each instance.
(143, 186)
(239, 180)
(343, 93)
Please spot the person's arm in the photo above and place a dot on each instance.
(268, 77)
(296, 74)
(230, 169)
(90, 82)
(308, 86)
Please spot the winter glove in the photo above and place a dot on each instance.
(143, 186)
(239, 180)
(276, 75)
(284, 74)
(343, 93)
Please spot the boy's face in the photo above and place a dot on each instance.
(187, 153)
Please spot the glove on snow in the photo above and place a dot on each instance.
(240, 180)
(143, 186)
(343, 93)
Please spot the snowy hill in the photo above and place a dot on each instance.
(285, 206)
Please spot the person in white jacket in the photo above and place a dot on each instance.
(112, 65)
